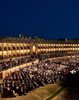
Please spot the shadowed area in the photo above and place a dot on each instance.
(71, 91)
(68, 94)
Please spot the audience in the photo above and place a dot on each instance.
(29, 78)
(14, 62)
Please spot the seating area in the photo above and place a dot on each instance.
(14, 62)
(32, 77)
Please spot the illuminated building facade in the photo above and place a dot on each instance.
(17, 47)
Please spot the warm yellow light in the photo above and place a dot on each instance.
(0, 52)
(34, 48)
(5, 52)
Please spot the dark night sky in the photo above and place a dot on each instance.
(51, 19)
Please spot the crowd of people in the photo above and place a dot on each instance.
(26, 79)
(14, 62)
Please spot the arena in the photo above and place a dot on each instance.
(26, 65)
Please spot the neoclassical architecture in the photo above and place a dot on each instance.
(11, 47)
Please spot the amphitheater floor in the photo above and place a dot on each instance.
(39, 94)
(68, 94)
